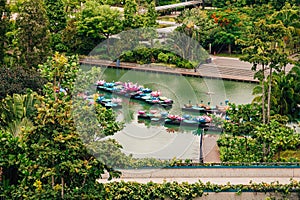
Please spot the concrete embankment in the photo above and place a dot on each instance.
(233, 70)
(215, 174)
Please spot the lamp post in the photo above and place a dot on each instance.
(200, 132)
(201, 150)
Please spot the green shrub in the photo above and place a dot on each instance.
(144, 55)
(163, 57)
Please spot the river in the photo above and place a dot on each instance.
(145, 140)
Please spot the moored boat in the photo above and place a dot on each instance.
(109, 103)
(202, 108)
(185, 120)
(135, 91)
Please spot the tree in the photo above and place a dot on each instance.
(93, 121)
(149, 22)
(76, 42)
(150, 16)
(72, 6)
(33, 33)
(285, 93)
(131, 19)
(289, 16)
(261, 50)
(242, 119)
(56, 15)
(11, 150)
(291, 91)
(229, 27)
(57, 22)
(267, 141)
(4, 21)
(274, 138)
(100, 20)
(54, 162)
(60, 71)
(186, 47)
(57, 161)
(16, 80)
(278, 61)
(197, 24)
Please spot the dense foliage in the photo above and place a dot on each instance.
(17, 112)
(33, 33)
(147, 56)
(240, 3)
(246, 139)
(99, 20)
(17, 80)
(223, 27)
(285, 94)
(175, 190)
(50, 160)
(57, 23)
(50, 141)
(4, 23)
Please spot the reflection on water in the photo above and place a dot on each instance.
(142, 139)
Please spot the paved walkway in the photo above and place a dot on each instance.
(178, 5)
(233, 68)
(217, 175)
(214, 180)
(228, 68)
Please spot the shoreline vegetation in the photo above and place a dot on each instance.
(51, 137)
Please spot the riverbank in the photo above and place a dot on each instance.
(220, 68)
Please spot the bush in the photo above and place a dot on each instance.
(175, 190)
(163, 57)
(143, 55)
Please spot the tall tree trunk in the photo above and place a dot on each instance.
(264, 152)
(263, 95)
(52, 181)
(203, 4)
(107, 44)
(269, 95)
(152, 42)
(52, 177)
(229, 48)
(62, 187)
(1, 172)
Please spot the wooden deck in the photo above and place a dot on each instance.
(204, 71)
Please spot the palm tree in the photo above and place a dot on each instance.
(289, 16)
(285, 96)
(295, 75)
(283, 92)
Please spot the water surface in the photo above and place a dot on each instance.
(146, 140)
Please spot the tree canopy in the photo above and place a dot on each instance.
(33, 33)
